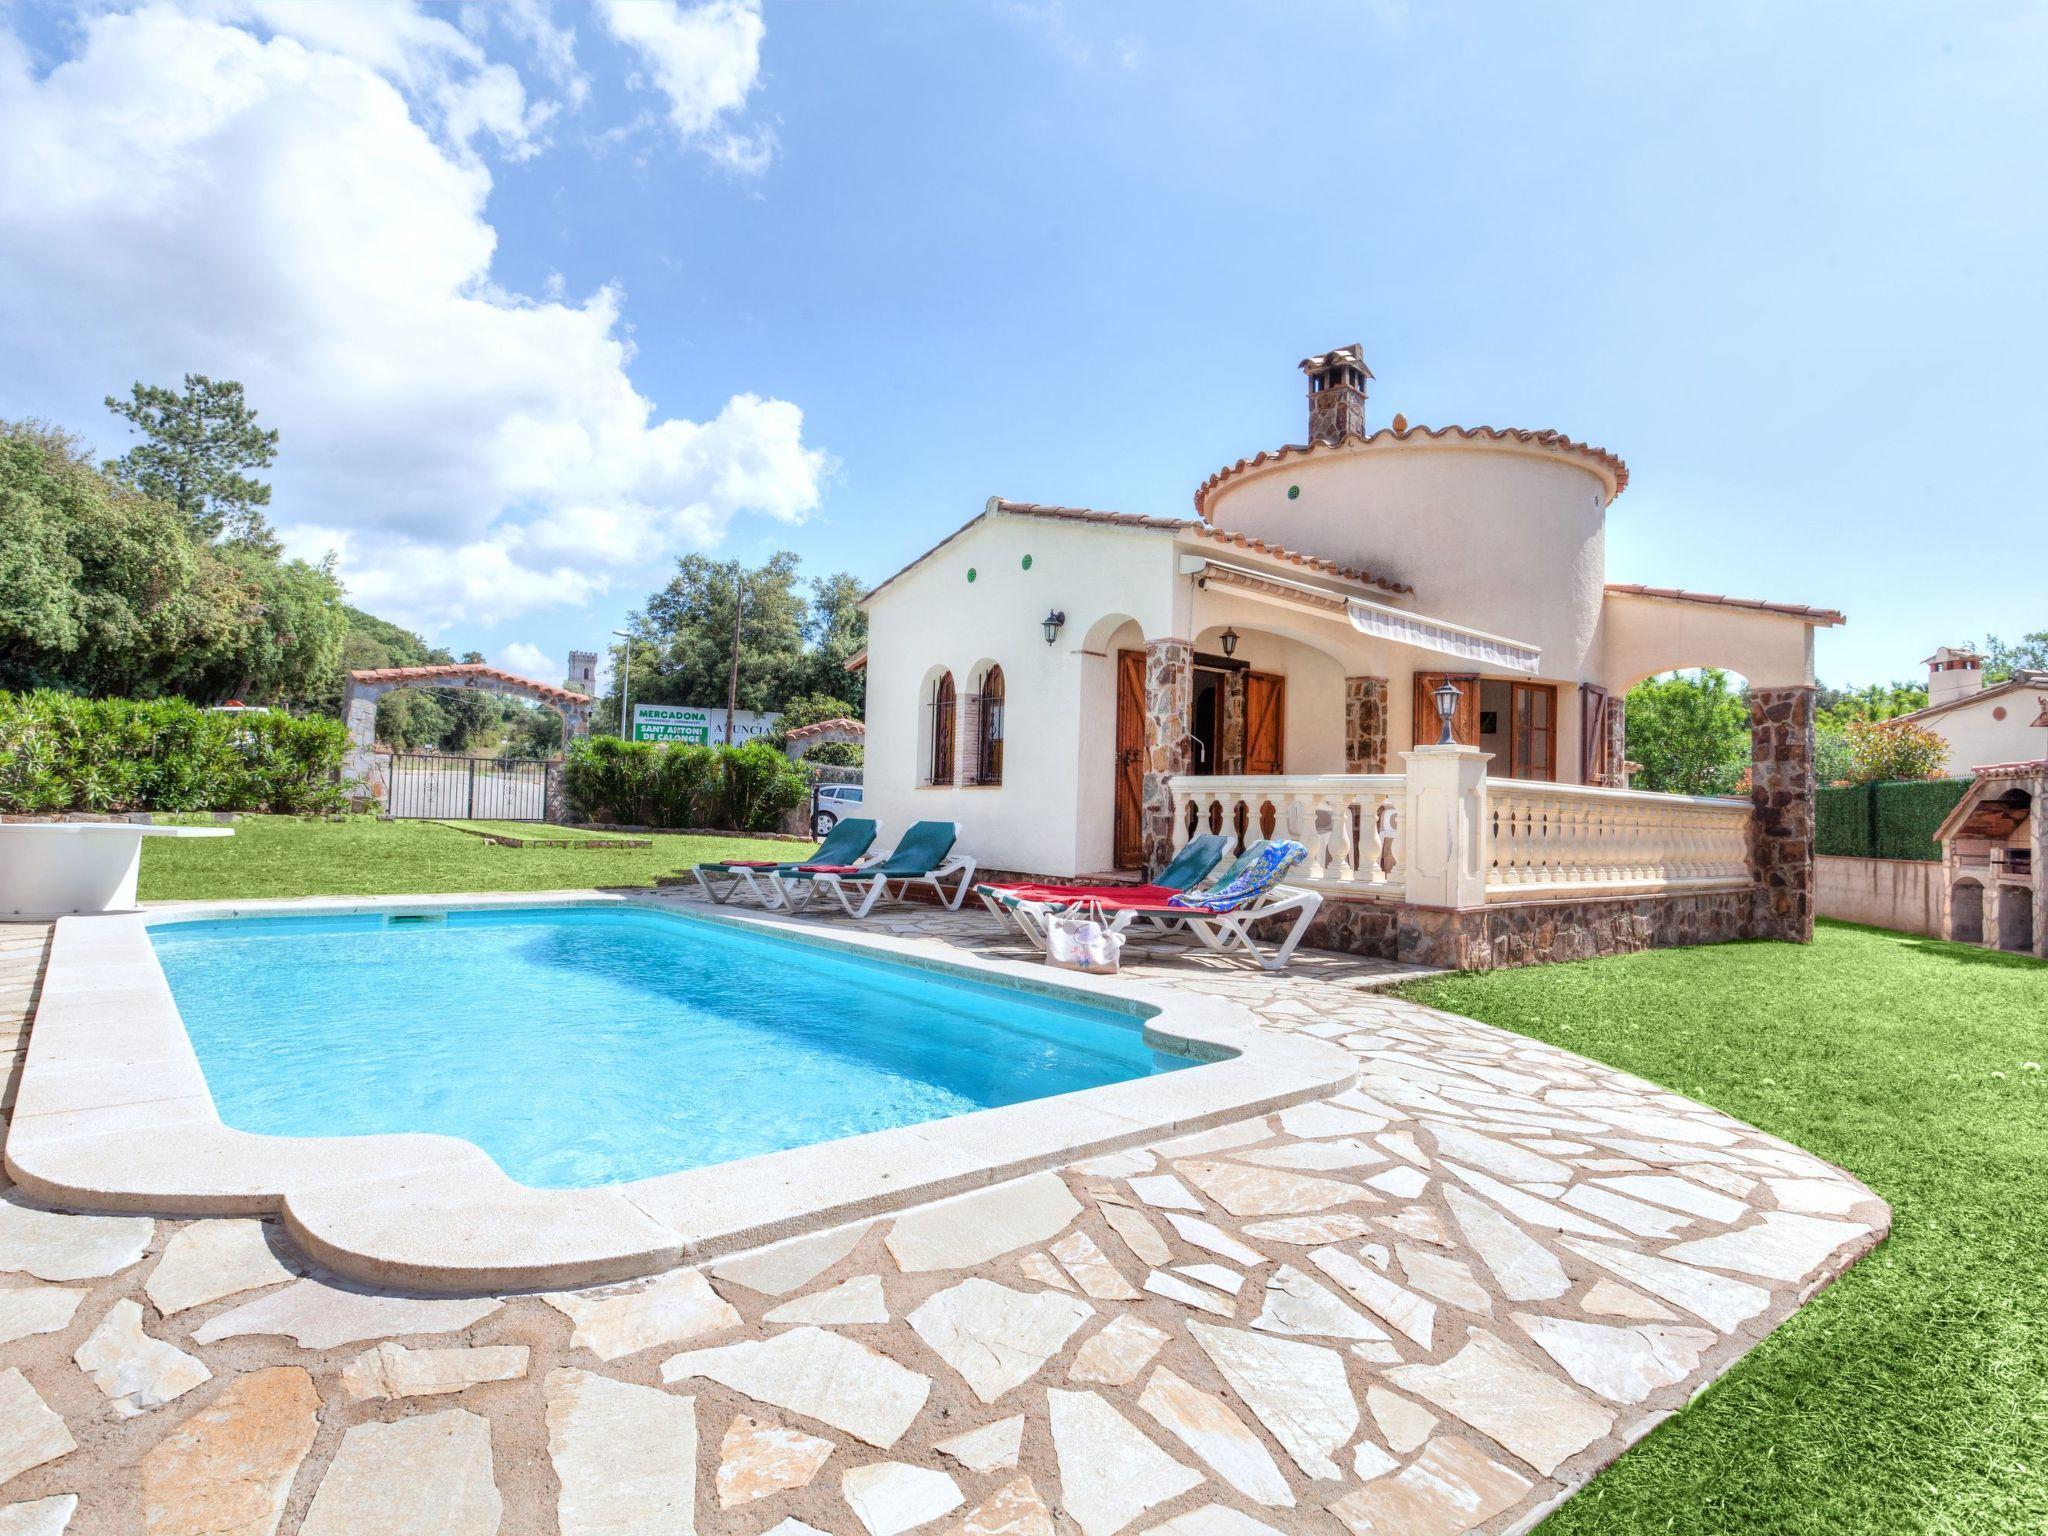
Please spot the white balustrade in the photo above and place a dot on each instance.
(1536, 841)
(1350, 823)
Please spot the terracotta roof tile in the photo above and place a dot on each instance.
(1543, 438)
(1716, 600)
(453, 676)
(836, 723)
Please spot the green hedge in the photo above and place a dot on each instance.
(646, 784)
(1894, 819)
(60, 752)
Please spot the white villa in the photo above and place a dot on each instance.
(1995, 724)
(1079, 689)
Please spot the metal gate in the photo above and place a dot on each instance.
(437, 788)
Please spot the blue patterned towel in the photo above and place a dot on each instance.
(1249, 884)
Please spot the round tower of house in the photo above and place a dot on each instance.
(1500, 530)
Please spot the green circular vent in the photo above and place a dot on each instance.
(1027, 562)
(1293, 491)
(970, 573)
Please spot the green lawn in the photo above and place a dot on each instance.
(360, 856)
(1912, 1396)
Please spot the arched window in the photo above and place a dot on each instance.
(939, 761)
(987, 733)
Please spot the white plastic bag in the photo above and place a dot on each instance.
(1079, 940)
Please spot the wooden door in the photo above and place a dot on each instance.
(1532, 731)
(1464, 724)
(1265, 722)
(1128, 835)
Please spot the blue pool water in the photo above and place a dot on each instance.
(582, 1046)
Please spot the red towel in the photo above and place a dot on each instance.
(1081, 893)
(832, 869)
(749, 864)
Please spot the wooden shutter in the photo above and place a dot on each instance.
(1464, 724)
(1265, 722)
(1129, 830)
(943, 730)
(1592, 734)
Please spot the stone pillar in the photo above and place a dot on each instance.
(2037, 820)
(558, 809)
(1781, 811)
(1230, 729)
(1365, 725)
(1169, 708)
(1617, 741)
(1443, 817)
(359, 713)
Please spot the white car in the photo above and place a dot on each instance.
(831, 802)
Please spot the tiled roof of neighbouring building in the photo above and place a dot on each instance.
(456, 674)
(1716, 600)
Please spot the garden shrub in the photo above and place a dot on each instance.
(1894, 820)
(648, 784)
(60, 752)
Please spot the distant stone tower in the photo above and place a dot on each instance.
(582, 676)
(1336, 394)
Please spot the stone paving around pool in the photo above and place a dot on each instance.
(1437, 1302)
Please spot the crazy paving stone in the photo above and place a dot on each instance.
(1403, 1309)
(1247, 1191)
(859, 1300)
(1523, 1267)
(1173, 1288)
(1213, 1520)
(1679, 1194)
(997, 1338)
(54, 1246)
(1116, 1355)
(1039, 1269)
(1449, 1489)
(1782, 1245)
(1091, 1268)
(1118, 1165)
(1817, 1197)
(1502, 1159)
(757, 1458)
(1401, 1183)
(1624, 1365)
(1725, 1303)
(30, 1432)
(1310, 1231)
(993, 1445)
(1206, 1234)
(1405, 1425)
(1606, 1299)
(212, 1259)
(323, 1316)
(1527, 1208)
(788, 1266)
(38, 1517)
(1206, 1426)
(1517, 1403)
(793, 1527)
(1629, 1215)
(389, 1370)
(821, 1375)
(678, 1307)
(1138, 1234)
(890, 1496)
(136, 1372)
(1325, 1119)
(1418, 1222)
(1228, 1281)
(1445, 1278)
(1295, 1304)
(1222, 1139)
(28, 1307)
(1368, 1461)
(1110, 1473)
(1164, 1192)
(972, 1229)
(424, 1476)
(625, 1456)
(1015, 1509)
(1298, 1391)
(228, 1470)
(1312, 1156)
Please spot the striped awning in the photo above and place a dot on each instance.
(1443, 637)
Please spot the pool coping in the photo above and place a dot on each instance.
(113, 1113)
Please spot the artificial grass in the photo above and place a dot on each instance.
(361, 856)
(1912, 1395)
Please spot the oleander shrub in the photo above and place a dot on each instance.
(678, 784)
(60, 752)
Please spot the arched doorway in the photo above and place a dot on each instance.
(1966, 912)
(2016, 919)
(365, 688)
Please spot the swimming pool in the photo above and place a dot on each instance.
(584, 1046)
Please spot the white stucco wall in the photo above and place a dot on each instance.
(1051, 814)
(1908, 895)
(1502, 538)
(1643, 636)
(1976, 738)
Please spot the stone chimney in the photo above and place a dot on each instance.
(1952, 674)
(1336, 394)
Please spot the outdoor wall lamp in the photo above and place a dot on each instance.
(1229, 638)
(1051, 625)
(1446, 697)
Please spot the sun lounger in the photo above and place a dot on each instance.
(1024, 902)
(844, 847)
(925, 856)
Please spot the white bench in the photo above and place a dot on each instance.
(67, 868)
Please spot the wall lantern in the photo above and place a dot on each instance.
(1229, 638)
(1051, 625)
(1446, 697)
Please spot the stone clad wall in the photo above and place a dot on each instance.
(1230, 749)
(1169, 705)
(1365, 725)
(1529, 932)
(1781, 812)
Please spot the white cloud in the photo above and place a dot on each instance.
(705, 59)
(298, 207)
(530, 661)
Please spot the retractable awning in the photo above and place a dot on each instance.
(1442, 636)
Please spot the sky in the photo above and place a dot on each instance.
(541, 297)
